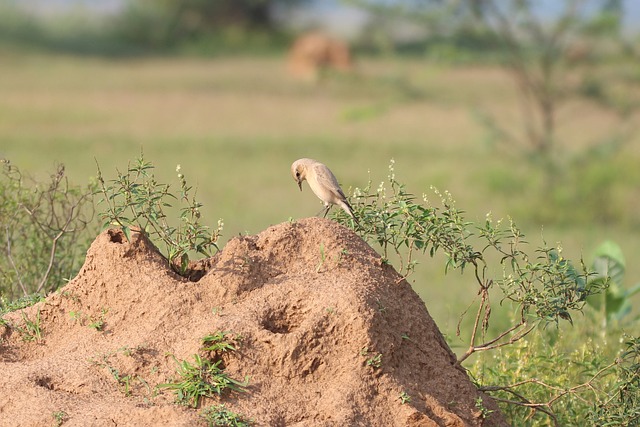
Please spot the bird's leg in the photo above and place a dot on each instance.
(324, 210)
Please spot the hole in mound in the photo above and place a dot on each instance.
(116, 236)
(282, 321)
(45, 382)
(197, 269)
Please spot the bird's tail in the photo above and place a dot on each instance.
(348, 209)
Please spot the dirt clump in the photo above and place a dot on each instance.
(314, 52)
(325, 332)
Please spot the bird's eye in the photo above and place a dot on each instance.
(297, 174)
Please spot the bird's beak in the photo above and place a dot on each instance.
(300, 185)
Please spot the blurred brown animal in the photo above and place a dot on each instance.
(315, 52)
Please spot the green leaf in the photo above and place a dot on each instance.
(127, 232)
(615, 299)
(611, 250)
(609, 261)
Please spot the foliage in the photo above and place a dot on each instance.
(98, 323)
(593, 188)
(141, 27)
(7, 306)
(59, 417)
(42, 227)
(136, 199)
(534, 377)
(540, 380)
(484, 411)
(203, 378)
(373, 360)
(75, 31)
(125, 381)
(542, 287)
(621, 405)
(217, 343)
(538, 55)
(553, 60)
(542, 48)
(31, 329)
(556, 57)
(168, 23)
(609, 267)
(564, 376)
(219, 415)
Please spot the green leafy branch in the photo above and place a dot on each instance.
(136, 198)
(543, 288)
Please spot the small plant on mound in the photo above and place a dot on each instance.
(404, 397)
(31, 329)
(217, 343)
(59, 417)
(373, 360)
(206, 376)
(97, 323)
(219, 415)
(136, 199)
(17, 304)
(203, 378)
(125, 381)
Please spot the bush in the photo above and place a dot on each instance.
(541, 286)
(44, 229)
(136, 199)
(565, 376)
(542, 378)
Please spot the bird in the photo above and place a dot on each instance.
(323, 183)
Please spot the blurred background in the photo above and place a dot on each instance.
(527, 110)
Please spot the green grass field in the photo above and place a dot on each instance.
(236, 125)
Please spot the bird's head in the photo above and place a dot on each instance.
(299, 171)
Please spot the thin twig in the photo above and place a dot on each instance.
(474, 331)
(546, 407)
(13, 264)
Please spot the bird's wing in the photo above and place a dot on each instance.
(327, 179)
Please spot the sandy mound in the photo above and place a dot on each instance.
(312, 307)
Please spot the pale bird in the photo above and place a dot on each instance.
(323, 183)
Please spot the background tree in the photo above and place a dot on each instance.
(46, 228)
(558, 55)
(169, 22)
(542, 54)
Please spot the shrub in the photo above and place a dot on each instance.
(136, 199)
(43, 228)
(541, 286)
(540, 379)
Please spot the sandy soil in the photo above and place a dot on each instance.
(311, 309)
